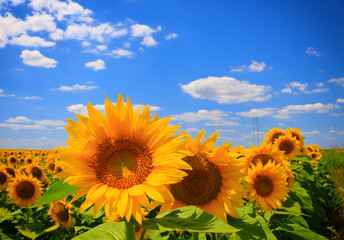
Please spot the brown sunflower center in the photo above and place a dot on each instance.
(314, 155)
(36, 172)
(51, 166)
(122, 163)
(287, 146)
(276, 136)
(13, 160)
(25, 189)
(263, 186)
(62, 212)
(264, 158)
(11, 172)
(296, 136)
(3, 178)
(201, 186)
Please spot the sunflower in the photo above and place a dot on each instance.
(273, 135)
(314, 148)
(315, 155)
(266, 184)
(50, 165)
(24, 190)
(12, 160)
(4, 179)
(37, 172)
(121, 158)
(289, 145)
(11, 171)
(213, 184)
(60, 212)
(29, 159)
(297, 134)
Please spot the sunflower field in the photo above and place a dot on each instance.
(127, 175)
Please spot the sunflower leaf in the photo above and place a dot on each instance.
(5, 214)
(56, 192)
(189, 218)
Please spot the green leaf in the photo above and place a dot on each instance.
(4, 236)
(189, 218)
(266, 228)
(109, 231)
(300, 194)
(56, 192)
(298, 230)
(27, 232)
(5, 214)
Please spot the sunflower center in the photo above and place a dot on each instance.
(296, 136)
(264, 158)
(13, 160)
(10, 171)
(25, 189)
(201, 186)
(62, 212)
(263, 186)
(276, 136)
(314, 155)
(51, 166)
(3, 178)
(286, 146)
(122, 163)
(36, 172)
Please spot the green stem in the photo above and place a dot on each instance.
(195, 236)
(142, 237)
(129, 231)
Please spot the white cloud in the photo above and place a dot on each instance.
(142, 30)
(50, 122)
(118, 53)
(77, 88)
(36, 59)
(310, 133)
(21, 126)
(226, 90)
(188, 130)
(4, 94)
(19, 119)
(311, 51)
(319, 84)
(40, 22)
(30, 98)
(149, 41)
(27, 41)
(57, 34)
(302, 88)
(85, 44)
(62, 10)
(126, 44)
(78, 108)
(258, 112)
(253, 67)
(101, 47)
(171, 36)
(286, 90)
(340, 100)
(339, 81)
(96, 65)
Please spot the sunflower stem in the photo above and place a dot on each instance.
(142, 237)
(195, 236)
(129, 231)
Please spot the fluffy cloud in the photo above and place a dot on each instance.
(76, 88)
(339, 81)
(253, 67)
(171, 36)
(258, 112)
(142, 30)
(311, 51)
(216, 117)
(118, 53)
(21, 126)
(50, 122)
(149, 41)
(302, 88)
(5, 94)
(36, 59)
(226, 90)
(19, 119)
(27, 41)
(96, 65)
(340, 100)
(30, 98)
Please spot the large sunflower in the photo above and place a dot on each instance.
(24, 191)
(36, 171)
(60, 212)
(266, 184)
(273, 135)
(289, 145)
(121, 158)
(213, 184)
(297, 134)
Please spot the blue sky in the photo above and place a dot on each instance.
(212, 65)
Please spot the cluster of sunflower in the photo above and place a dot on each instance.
(24, 175)
(127, 162)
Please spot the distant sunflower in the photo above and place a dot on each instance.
(315, 155)
(50, 165)
(37, 172)
(11, 171)
(273, 135)
(4, 179)
(213, 184)
(266, 184)
(24, 191)
(314, 148)
(29, 159)
(121, 158)
(289, 145)
(61, 213)
(12, 160)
